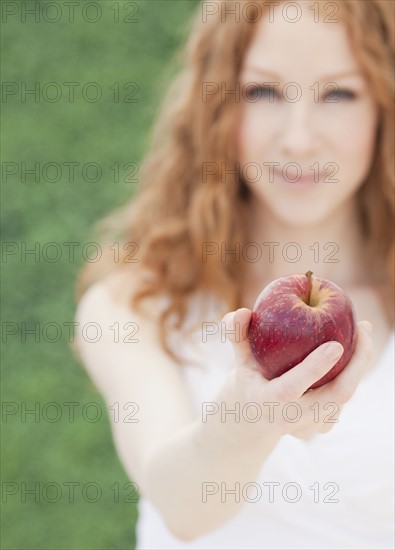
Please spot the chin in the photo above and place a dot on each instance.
(299, 216)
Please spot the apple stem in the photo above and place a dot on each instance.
(309, 286)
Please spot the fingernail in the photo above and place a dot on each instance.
(367, 327)
(333, 350)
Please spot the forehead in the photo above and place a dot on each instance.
(304, 45)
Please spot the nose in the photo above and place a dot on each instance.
(298, 137)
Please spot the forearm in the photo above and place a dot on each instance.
(182, 475)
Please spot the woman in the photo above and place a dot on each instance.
(272, 156)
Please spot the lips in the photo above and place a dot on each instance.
(307, 177)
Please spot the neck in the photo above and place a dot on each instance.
(333, 249)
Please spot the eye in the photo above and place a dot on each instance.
(256, 93)
(339, 95)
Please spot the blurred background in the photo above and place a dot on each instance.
(81, 83)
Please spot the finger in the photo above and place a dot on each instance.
(346, 382)
(236, 326)
(291, 385)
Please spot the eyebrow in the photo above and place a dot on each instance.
(326, 77)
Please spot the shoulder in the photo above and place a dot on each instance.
(106, 320)
(107, 308)
(117, 345)
(111, 298)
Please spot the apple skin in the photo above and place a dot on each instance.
(284, 329)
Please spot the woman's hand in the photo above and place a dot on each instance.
(283, 405)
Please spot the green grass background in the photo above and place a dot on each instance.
(32, 291)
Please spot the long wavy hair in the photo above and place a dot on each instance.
(178, 210)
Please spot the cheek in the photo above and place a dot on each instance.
(253, 137)
(357, 140)
(354, 139)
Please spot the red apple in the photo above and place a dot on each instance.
(294, 315)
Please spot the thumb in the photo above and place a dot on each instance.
(235, 328)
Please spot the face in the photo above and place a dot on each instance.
(308, 120)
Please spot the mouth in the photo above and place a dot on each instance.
(306, 179)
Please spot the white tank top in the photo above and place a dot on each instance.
(334, 491)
